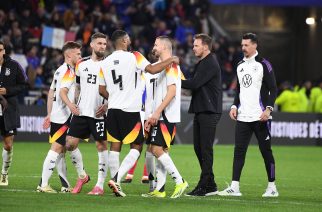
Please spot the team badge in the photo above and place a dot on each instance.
(7, 73)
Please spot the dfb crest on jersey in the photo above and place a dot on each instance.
(7, 73)
(247, 80)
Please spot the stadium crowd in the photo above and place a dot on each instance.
(22, 22)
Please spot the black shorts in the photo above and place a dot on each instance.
(82, 127)
(162, 134)
(4, 132)
(125, 127)
(58, 133)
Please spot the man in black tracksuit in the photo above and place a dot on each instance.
(254, 101)
(12, 82)
(206, 104)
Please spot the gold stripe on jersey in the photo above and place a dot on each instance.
(58, 134)
(139, 57)
(172, 71)
(69, 76)
(166, 135)
(182, 76)
(133, 134)
(101, 75)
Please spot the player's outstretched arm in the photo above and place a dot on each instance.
(158, 67)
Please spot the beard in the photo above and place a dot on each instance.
(100, 54)
(129, 48)
(155, 53)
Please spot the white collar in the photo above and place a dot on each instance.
(251, 58)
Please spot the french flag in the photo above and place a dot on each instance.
(55, 37)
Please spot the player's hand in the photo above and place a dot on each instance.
(154, 118)
(74, 109)
(3, 91)
(147, 126)
(233, 114)
(46, 123)
(175, 59)
(101, 110)
(3, 102)
(265, 115)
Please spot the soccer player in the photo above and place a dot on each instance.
(12, 82)
(58, 120)
(162, 122)
(121, 86)
(254, 101)
(147, 99)
(89, 120)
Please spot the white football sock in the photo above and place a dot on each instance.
(113, 162)
(150, 167)
(271, 185)
(62, 170)
(102, 168)
(48, 167)
(127, 163)
(77, 160)
(6, 160)
(150, 164)
(161, 176)
(169, 166)
(235, 185)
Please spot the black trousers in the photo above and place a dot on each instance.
(243, 134)
(204, 130)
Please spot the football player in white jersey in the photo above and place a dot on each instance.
(162, 120)
(120, 85)
(89, 120)
(58, 120)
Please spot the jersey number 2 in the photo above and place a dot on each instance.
(91, 78)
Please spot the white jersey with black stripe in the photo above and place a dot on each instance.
(63, 77)
(87, 75)
(122, 77)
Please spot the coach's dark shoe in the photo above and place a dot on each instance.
(200, 192)
(210, 191)
(193, 192)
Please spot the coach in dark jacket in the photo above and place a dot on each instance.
(12, 82)
(206, 104)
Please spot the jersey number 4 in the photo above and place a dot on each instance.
(117, 80)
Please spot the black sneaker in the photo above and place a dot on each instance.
(197, 192)
(191, 193)
(210, 191)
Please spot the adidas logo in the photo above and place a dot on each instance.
(267, 138)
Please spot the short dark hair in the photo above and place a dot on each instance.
(205, 39)
(98, 35)
(117, 34)
(251, 36)
(166, 38)
(71, 45)
(2, 43)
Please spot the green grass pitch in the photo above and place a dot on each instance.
(298, 172)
